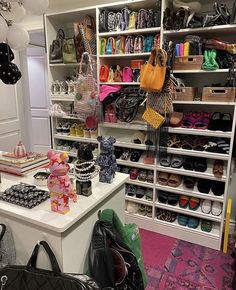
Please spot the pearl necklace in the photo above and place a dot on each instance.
(85, 177)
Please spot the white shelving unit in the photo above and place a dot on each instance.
(124, 132)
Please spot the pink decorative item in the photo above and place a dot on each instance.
(20, 150)
(59, 184)
(127, 74)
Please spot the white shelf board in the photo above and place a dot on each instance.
(139, 164)
(62, 98)
(139, 216)
(194, 71)
(130, 55)
(69, 117)
(199, 132)
(196, 213)
(204, 103)
(222, 29)
(70, 153)
(121, 83)
(127, 126)
(132, 32)
(130, 145)
(73, 138)
(140, 183)
(139, 200)
(182, 190)
(63, 64)
(215, 233)
(195, 153)
(208, 174)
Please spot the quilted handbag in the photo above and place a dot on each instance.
(31, 278)
(88, 30)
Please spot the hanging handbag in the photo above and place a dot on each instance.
(103, 20)
(55, 53)
(69, 51)
(79, 45)
(120, 45)
(127, 74)
(85, 89)
(132, 20)
(112, 21)
(31, 277)
(152, 75)
(104, 73)
(118, 74)
(111, 45)
(88, 31)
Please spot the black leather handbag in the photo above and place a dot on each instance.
(55, 53)
(31, 278)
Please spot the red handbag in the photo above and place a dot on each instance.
(104, 73)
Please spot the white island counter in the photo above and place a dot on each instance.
(69, 235)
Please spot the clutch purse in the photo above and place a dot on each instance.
(153, 118)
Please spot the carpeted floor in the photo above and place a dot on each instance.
(173, 264)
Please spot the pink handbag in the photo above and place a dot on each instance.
(127, 74)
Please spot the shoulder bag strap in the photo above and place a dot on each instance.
(3, 231)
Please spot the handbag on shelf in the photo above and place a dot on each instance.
(118, 75)
(142, 19)
(112, 21)
(111, 75)
(129, 44)
(138, 44)
(102, 44)
(127, 74)
(79, 45)
(69, 51)
(55, 53)
(148, 43)
(111, 46)
(103, 20)
(133, 20)
(120, 45)
(31, 277)
(104, 73)
(156, 41)
(86, 89)
(152, 75)
(88, 31)
(125, 12)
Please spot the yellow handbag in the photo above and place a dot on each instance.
(132, 20)
(153, 118)
(152, 74)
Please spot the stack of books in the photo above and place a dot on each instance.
(22, 165)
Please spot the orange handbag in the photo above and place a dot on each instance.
(152, 74)
(104, 72)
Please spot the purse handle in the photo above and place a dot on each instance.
(3, 231)
(60, 34)
(33, 259)
(158, 56)
(85, 54)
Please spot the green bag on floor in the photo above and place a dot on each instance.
(129, 234)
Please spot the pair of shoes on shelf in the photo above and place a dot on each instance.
(166, 179)
(166, 215)
(175, 161)
(146, 176)
(195, 163)
(205, 185)
(168, 197)
(213, 207)
(220, 122)
(145, 210)
(218, 168)
(191, 202)
(185, 220)
(206, 226)
(142, 137)
(139, 192)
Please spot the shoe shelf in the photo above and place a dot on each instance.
(139, 216)
(130, 32)
(130, 145)
(205, 154)
(182, 190)
(128, 126)
(142, 200)
(208, 174)
(199, 132)
(62, 98)
(204, 103)
(196, 71)
(70, 153)
(121, 83)
(140, 183)
(130, 55)
(139, 164)
(195, 213)
(218, 29)
(63, 64)
(73, 138)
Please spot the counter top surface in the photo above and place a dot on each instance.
(43, 216)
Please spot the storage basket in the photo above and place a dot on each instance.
(185, 93)
(218, 94)
(188, 62)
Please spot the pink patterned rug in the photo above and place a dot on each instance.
(177, 265)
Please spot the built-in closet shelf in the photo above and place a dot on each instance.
(121, 83)
(140, 183)
(70, 153)
(62, 98)
(225, 29)
(130, 55)
(181, 171)
(182, 190)
(135, 164)
(138, 200)
(68, 118)
(63, 64)
(199, 132)
(130, 32)
(132, 145)
(194, 213)
(127, 126)
(204, 103)
(197, 71)
(195, 153)
(73, 138)
(138, 216)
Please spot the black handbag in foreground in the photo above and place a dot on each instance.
(31, 278)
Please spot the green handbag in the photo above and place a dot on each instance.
(129, 234)
(69, 51)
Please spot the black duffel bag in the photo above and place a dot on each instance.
(31, 278)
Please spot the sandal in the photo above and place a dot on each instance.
(200, 164)
(133, 174)
(138, 137)
(218, 168)
(206, 226)
(226, 122)
(176, 119)
(199, 143)
(149, 211)
(173, 199)
(142, 175)
(174, 180)
(135, 155)
(204, 185)
(149, 194)
(172, 141)
(223, 146)
(177, 161)
(218, 188)
(189, 120)
(149, 158)
(73, 129)
(189, 182)
(202, 122)
(162, 196)
(131, 190)
(189, 163)
(125, 155)
(163, 178)
(132, 207)
(193, 223)
(59, 128)
(150, 176)
(215, 121)
(118, 152)
(140, 192)
(182, 220)
(183, 201)
(142, 209)
(165, 160)
(194, 203)
(188, 142)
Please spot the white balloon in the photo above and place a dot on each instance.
(17, 37)
(16, 14)
(38, 7)
(3, 29)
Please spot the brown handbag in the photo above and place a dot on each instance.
(79, 45)
(88, 31)
(152, 75)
